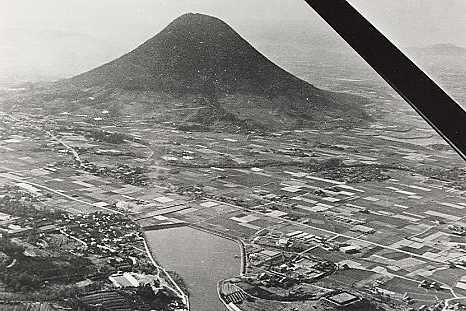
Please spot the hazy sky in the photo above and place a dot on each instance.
(29, 29)
(404, 21)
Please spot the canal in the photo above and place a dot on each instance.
(200, 258)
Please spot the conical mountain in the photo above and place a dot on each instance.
(200, 56)
(195, 53)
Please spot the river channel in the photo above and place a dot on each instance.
(200, 258)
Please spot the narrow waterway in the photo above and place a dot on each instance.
(200, 258)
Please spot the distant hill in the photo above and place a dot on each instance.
(198, 70)
(447, 55)
(445, 64)
(449, 50)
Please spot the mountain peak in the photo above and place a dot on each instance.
(200, 24)
(197, 17)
